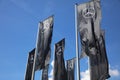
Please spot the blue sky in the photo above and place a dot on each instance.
(18, 31)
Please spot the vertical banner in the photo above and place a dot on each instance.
(88, 19)
(30, 65)
(59, 64)
(70, 69)
(103, 60)
(43, 44)
(45, 72)
(88, 22)
(99, 65)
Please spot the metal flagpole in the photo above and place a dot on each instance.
(77, 45)
(33, 71)
(35, 55)
(26, 67)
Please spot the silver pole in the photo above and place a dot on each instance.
(33, 71)
(77, 45)
(36, 50)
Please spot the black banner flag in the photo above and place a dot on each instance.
(59, 64)
(88, 17)
(30, 65)
(92, 39)
(45, 72)
(99, 67)
(43, 48)
(103, 60)
(70, 69)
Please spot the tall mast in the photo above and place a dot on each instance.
(77, 45)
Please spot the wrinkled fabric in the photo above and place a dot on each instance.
(88, 16)
(44, 38)
(70, 69)
(30, 65)
(45, 72)
(59, 71)
(92, 39)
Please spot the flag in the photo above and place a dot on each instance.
(103, 60)
(92, 39)
(45, 72)
(88, 24)
(30, 65)
(43, 43)
(70, 69)
(59, 71)
(99, 67)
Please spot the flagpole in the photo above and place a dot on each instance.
(26, 67)
(33, 71)
(77, 45)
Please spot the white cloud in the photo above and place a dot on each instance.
(85, 75)
(51, 73)
(50, 78)
(113, 73)
(52, 63)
